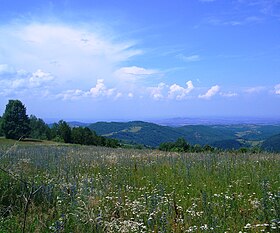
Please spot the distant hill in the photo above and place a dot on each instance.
(228, 144)
(77, 124)
(222, 136)
(272, 144)
(137, 132)
(203, 134)
(73, 124)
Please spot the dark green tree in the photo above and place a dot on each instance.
(84, 136)
(15, 122)
(166, 146)
(78, 135)
(88, 137)
(39, 129)
(64, 131)
(181, 145)
(1, 131)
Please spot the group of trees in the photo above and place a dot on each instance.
(62, 132)
(182, 146)
(15, 124)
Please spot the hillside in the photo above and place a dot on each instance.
(137, 132)
(272, 143)
(150, 134)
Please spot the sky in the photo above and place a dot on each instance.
(106, 59)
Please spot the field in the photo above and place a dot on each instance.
(66, 188)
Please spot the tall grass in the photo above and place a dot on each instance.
(93, 189)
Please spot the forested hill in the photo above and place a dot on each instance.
(150, 134)
(272, 143)
(137, 132)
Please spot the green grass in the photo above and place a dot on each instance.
(93, 189)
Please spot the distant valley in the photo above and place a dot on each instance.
(221, 136)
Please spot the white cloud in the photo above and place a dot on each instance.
(39, 78)
(71, 95)
(210, 93)
(252, 90)
(76, 56)
(14, 82)
(192, 58)
(178, 92)
(118, 95)
(228, 94)
(6, 69)
(277, 89)
(135, 70)
(157, 92)
(100, 89)
(133, 73)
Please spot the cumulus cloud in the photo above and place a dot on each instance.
(78, 54)
(71, 95)
(98, 91)
(173, 91)
(14, 81)
(157, 92)
(39, 78)
(210, 93)
(178, 92)
(277, 89)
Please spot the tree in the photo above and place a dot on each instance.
(1, 131)
(83, 136)
(78, 135)
(15, 122)
(64, 131)
(39, 129)
(181, 145)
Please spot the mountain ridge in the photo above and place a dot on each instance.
(152, 135)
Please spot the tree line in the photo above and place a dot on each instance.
(181, 145)
(16, 124)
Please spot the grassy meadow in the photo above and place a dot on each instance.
(68, 188)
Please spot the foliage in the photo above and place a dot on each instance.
(152, 135)
(272, 144)
(15, 122)
(137, 132)
(94, 189)
(39, 129)
(182, 146)
(64, 131)
(1, 131)
(230, 144)
(81, 136)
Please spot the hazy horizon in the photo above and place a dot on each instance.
(146, 60)
(177, 121)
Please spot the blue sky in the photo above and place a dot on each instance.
(141, 59)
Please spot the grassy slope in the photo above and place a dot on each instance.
(92, 189)
(28, 141)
